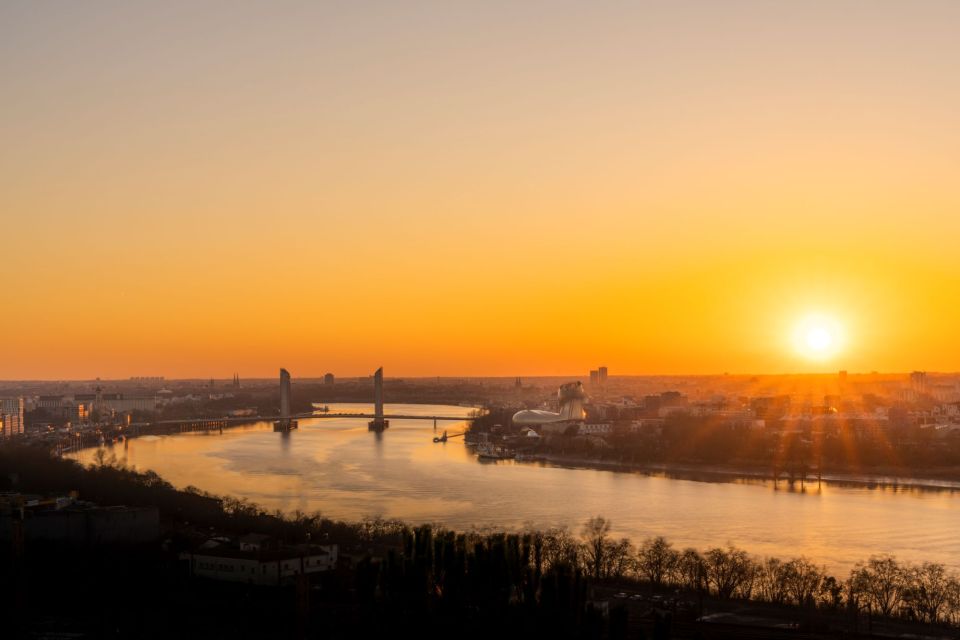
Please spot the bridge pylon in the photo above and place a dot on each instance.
(379, 423)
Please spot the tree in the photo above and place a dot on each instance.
(881, 581)
(595, 536)
(772, 580)
(560, 548)
(927, 590)
(690, 570)
(803, 580)
(620, 558)
(729, 570)
(656, 560)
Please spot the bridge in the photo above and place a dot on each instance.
(286, 421)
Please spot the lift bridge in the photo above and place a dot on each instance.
(287, 421)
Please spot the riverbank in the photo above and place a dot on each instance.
(939, 480)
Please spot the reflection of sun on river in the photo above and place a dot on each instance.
(336, 466)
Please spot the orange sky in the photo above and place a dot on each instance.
(193, 189)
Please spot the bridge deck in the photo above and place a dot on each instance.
(307, 416)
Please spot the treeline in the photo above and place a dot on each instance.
(542, 581)
(879, 586)
(836, 446)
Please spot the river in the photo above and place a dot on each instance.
(338, 467)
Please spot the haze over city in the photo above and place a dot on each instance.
(481, 189)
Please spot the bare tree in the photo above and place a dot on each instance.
(803, 580)
(728, 570)
(656, 560)
(881, 581)
(560, 547)
(927, 590)
(772, 580)
(690, 570)
(620, 558)
(595, 534)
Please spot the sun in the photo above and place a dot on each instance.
(818, 337)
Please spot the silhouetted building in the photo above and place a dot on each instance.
(76, 523)
(918, 382)
(602, 375)
(328, 379)
(594, 377)
(285, 423)
(378, 423)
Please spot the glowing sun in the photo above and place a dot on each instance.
(818, 337)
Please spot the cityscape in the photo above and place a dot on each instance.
(539, 320)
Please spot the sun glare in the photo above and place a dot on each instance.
(818, 337)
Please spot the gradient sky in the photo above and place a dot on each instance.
(500, 188)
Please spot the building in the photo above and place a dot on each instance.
(570, 401)
(64, 408)
(595, 429)
(329, 379)
(594, 377)
(119, 402)
(379, 423)
(602, 375)
(11, 416)
(285, 423)
(918, 382)
(76, 523)
(255, 565)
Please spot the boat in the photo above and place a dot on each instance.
(487, 451)
(528, 457)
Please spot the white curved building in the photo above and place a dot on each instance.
(570, 397)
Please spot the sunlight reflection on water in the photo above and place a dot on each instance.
(336, 466)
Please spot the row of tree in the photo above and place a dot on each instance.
(881, 585)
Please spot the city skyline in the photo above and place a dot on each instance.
(478, 190)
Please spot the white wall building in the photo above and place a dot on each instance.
(261, 567)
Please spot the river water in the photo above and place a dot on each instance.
(336, 466)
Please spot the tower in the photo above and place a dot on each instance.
(285, 423)
(378, 423)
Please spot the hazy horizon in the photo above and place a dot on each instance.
(506, 377)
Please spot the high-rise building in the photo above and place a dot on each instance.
(11, 416)
(378, 393)
(918, 382)
(379, 423)
(284, 424)
(594, 377)
(284, 395)
(602, 375)
(329, 379)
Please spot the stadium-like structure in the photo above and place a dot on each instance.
(570, 396)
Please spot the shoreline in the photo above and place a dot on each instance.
(878, 479)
